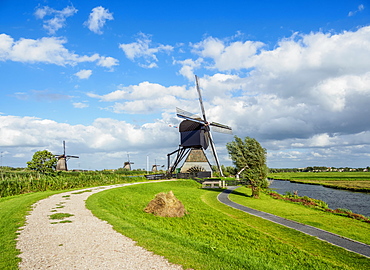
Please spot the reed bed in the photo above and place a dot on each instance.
(26, 182)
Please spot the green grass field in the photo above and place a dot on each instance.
(211, 236)
(358, 181)
(344, 226)
(214, 236)
(12, 216)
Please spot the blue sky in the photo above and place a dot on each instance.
(106, 76)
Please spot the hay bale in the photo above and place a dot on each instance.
(166, 205)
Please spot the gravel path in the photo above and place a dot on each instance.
(85, 243)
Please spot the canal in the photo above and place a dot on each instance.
(357, 202)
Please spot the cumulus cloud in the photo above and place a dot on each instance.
(108, 62)
(313, 77)
(80, 105)
(48, 50)
(142, 49)
(306, 99)
(97, 19)
(104, 137)
(84, 73)
(311, 91)
(58, 17)
(145, 98)
(236, 55)
(188, 67)
(359, 9)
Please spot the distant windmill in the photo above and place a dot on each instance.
(155, 166)
(127, 164)
(62, 159)
(195, 136)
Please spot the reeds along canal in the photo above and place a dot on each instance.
(357, 202)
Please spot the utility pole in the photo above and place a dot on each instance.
(1, 165)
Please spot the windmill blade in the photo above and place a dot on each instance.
(64, 148)
(192, 120)
(187, 115)
(72, 156)
(200, 100)
(214, 152)
(217, 127)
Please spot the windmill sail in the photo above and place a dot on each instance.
(217, 127)
(188, 115)
(200, 99)
(208, 134)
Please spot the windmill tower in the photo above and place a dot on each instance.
(62, 159)
(127, 164)
(156, 166)
(195, 137)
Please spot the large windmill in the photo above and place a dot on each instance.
(127, 164)
(62, 159)
(195, 137)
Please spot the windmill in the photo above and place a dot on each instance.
(195, 136)
(156, 166)
(62, 159)
(127, 164)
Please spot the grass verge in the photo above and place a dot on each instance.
(12, 216)
(344, 226)
(212, 235)
(60, 216)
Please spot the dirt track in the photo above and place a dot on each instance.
(85, 243)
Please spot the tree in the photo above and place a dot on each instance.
(43, 162)
(249, 158)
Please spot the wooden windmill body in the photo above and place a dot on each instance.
(195, 137)
(156, 166)
(127, 164)
(62, 159)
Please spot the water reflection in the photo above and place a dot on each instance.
(357, 202)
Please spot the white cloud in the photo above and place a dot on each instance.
(142, 49)
(107, 62)
(97, 19)
(359, 9)
(84, 73)
(146, 98)
(58, 21)
(144, 90)
(309, 91)
(107, 138)
(188, 67)
(236, 55)
(80, 105)
(48, 50)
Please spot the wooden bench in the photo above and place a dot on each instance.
(213, 184)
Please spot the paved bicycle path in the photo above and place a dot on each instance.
(332, 238)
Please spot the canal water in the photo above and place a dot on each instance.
(357, 202)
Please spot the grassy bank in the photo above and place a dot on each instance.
(214, 236)
(12, 216)
(356, 181)
(344, 226)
